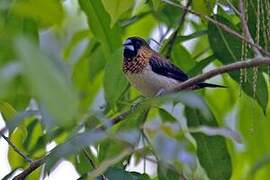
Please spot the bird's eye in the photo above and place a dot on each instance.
(137, 45)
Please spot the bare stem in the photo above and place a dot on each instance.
(16, 149)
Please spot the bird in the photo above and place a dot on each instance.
(149, 72)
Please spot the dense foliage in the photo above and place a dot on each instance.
(61, 81)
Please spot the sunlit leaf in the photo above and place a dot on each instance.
(203, 6)
(8, 112)
(116, 8)
(99, 23)
(48, 12)
(17, 137)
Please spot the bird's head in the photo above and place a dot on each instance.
(132, 46)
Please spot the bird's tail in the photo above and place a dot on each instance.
(203, 85)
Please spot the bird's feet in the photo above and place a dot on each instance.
(160, 92)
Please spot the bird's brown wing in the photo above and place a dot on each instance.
(165, 68)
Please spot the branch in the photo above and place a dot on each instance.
(245, 28)
(223, 69)
(180, 26)
(33, 166)
(16, 149)
(223, 26)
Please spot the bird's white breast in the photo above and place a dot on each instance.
(150, 83)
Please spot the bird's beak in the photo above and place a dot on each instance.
(128, 45)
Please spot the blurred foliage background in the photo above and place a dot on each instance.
(61, 80)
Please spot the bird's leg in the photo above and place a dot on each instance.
(160, 92)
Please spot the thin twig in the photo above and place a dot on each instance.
(179, 28)
(223, 26)
(16, 149)
(223, 69)
(245, 28)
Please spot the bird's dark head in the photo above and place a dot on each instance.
(132, 46)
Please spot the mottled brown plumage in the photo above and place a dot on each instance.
(142, 59)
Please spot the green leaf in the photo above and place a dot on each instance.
(115, 82)
(116, 8)
(264, 21)
(227, 49)
(17, 138)
(166, 173)
(156, 4)
(48, 84)
(181, 57)
(47, 12)
(212, 150)
(109, 38)
(82, 163)
(31, 142)
(86, 74)
(110, 148)
(197, 69)
(166, 116)
(99, 23)
(8, 112)
(204, 7)
(169, 14)
(114, 173)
